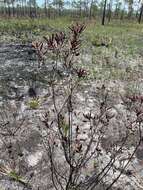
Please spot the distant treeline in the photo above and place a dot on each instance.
(107, 9)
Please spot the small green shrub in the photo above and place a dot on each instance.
(34, 104)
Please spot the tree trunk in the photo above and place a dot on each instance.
(46, 13)
(109, 12)
(122, 15)
(13, 9)
(90, 10)
(9, 11)
(104, 13)
(140, 15)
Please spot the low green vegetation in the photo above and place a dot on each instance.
(7, 171)
(124, 35)
(111, 51)
(34, 104)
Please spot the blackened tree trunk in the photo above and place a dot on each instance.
(13, 9)
(90, 10)
(5, 10)
(109, 12)
(9, 10)
(141, 13)
(122, 14)
(45, 8)
(104, 13)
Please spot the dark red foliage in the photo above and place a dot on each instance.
(64, 47)
(77, 28)
(74, 41)
(60, 37)
(81, 73)
(40, 51)
(135, 98)
(88, 116)
(78, 146)
(74, 45)
(138, 111)
(55, 40)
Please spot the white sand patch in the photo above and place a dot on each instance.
(33, 159)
